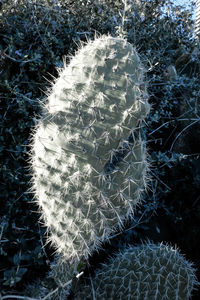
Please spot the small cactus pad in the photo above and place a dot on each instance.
(145, 272)
(88, 159)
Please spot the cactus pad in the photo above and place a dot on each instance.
(145, 272)
(88, 159)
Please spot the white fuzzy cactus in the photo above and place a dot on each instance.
(197, 20)
(145, 272)
(88, 159)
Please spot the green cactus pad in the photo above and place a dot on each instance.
(88, 159)
(145, 272)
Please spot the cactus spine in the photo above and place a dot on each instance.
(88, 159)
(144, 272)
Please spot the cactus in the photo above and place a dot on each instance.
(197, 20)
(148, 271)
(88, 159)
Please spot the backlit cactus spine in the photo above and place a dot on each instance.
(144, 272)
(88, 159)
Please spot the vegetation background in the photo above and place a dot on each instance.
(34, 37)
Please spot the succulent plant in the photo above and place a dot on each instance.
(145, 272)
(88, 159)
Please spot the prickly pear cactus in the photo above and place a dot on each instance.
(145, 272)
(88, 159)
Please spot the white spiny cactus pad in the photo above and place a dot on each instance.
(84, 186)
(197, 19)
